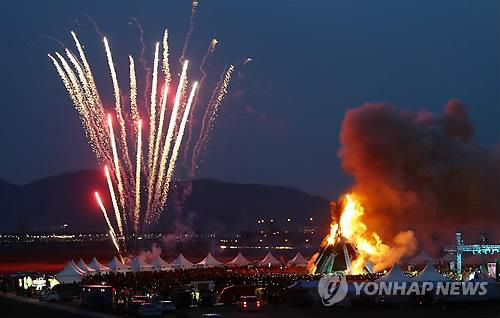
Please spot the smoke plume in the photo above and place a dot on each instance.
(420, 171)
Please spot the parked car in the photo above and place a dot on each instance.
(135, 302)
(231, 294)
(50, 295)
(248, 303)
(166, 306)
(97, 296)
(148, 310)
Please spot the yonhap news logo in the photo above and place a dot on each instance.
(333, 289)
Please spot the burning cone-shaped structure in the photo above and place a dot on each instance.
(335, 257)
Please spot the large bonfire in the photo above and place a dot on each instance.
(362, 249)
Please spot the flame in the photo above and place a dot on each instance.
(368, 244)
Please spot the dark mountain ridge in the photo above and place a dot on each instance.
(203, 205)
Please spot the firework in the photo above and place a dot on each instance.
(209, 118)
(134, 112)
(152, 112)
(118, 108)
(136, 202)
(178, 141)
(116, 162)
(210, 50)
(138, 178)
(168, 139)
(114, 201)
(194, 8)
(108, 222)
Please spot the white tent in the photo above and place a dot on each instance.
(430, 274)
(269, 260)
(395, 275)
(85, 268)
(239, 260)
(209, 261)
(98, 266)
(139, 265)
(181, 262)
(159, 264)
(421, 258)
(118, 267)
(298, 260)
(70, 274)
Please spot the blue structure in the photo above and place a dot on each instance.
(482, 248)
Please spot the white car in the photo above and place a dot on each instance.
(50, 295)
(166, 306)
(148, 310)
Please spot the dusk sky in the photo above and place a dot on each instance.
(312, 61)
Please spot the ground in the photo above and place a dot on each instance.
(13, 308)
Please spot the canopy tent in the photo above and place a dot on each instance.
(239, 260)
(181, 262)
(269, 260)
(421, 258)
(430, 274)
(209, 261)
(99, 268)
(85, 268)
(118, 267)
(298, 260)
(395, 275)
(70, 274)
(159, 264)
(139, 265)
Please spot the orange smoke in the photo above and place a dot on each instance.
(368, 244)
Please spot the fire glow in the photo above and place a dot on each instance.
(370, 250)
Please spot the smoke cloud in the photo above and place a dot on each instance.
(420, 171)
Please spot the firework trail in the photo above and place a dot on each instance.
(211, 114)
(151, 181)
(94, 24)
(246, 61)
(210, 50)
(170, 134)
(47, 37)
(68, 85)
(194, 8)
(116, 162)
(88, 104)
(175, 151)
(81, 105)
(142, 59)
(97, 112)
(160, 129)
(108, 222)
(115, 203)
(163, 147)
(133, 94)
(152, 112)
(166, 63)
(119, 115)
(138, 177)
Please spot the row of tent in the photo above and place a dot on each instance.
(74, 272)
(428, 274)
